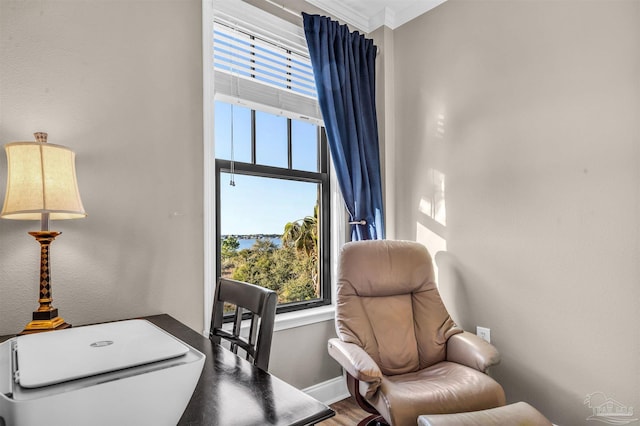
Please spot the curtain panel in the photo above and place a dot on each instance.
(344, 71)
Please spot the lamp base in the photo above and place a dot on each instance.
(45, 318)
(45, 321)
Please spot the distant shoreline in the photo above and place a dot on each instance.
(251, 236)
(247, 241)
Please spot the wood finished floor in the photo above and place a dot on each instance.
(347, 413)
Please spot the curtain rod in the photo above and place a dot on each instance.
(299, 15)
(281, 6)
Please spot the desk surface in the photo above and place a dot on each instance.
(231, 391)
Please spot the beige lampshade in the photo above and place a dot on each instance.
(41, 178)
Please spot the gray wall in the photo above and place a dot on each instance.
(299, 355)
(120, 83)
(532, 111)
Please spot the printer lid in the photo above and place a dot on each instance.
(59, 356)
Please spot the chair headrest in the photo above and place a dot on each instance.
(384, 268)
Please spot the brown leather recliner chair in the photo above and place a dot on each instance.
(403, 354)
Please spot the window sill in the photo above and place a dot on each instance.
(293, 319)
(304, 317)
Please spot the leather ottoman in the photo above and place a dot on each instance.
(518, 414)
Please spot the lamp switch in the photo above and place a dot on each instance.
(484, 333)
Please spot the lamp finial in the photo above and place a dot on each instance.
(40, 137)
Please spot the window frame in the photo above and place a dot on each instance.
(322, 178)
(216, 87)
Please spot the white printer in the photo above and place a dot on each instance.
(121, 373)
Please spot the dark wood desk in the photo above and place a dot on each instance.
(232, 392)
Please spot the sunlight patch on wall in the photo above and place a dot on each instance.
(432, 215)
(440, 126)
(432, 203)
(432, 241)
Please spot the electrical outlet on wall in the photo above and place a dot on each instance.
(484, 333)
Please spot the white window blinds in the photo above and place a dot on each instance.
(262, 61)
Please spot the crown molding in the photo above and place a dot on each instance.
(388, 16)
(343, 12)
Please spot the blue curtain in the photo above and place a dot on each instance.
(344, 70)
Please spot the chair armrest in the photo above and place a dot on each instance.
(355, 361)
(468, 349)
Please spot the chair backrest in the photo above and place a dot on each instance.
(388, 303)
(259, 304)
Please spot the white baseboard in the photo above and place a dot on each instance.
(330, 391)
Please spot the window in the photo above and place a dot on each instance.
(272, 189)
(258, 77)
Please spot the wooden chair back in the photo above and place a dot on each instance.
(252, 302)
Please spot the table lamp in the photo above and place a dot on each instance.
(42, 185)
